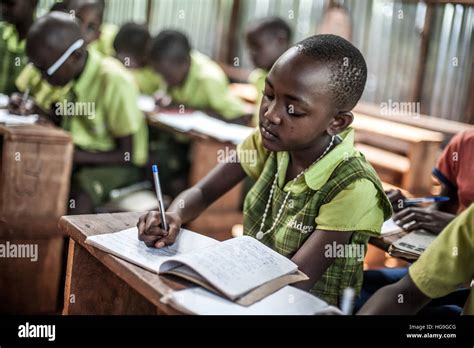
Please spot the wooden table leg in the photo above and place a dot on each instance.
(91, 288)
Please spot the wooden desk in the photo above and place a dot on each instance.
(449, 128)
(100, 283)
(35, 170)
(419, 145)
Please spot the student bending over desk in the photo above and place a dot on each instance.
(441, 269)
(98, 37)
(131, 46)
(101, 112)
(193, 79)
(314, 191)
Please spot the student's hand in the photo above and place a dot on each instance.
(415, 218)
(150, 232)
(17, 106)
(397, 198)
(162, 99)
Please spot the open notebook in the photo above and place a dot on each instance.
(241, 269)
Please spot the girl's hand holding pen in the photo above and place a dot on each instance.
(18, 106)
(151, 232)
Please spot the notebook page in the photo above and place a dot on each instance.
(221, 130)
(146, 103)
(181, 122)
(390, 227)
(236, 266)
(125, 244)
(6, 117)
(286, 301)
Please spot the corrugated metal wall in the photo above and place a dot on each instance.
(387, 32)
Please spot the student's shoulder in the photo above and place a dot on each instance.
(206, 68)
(465, 138)
(113, 71)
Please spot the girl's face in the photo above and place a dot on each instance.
(296, 109)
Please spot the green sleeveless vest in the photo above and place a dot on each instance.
(297, 221)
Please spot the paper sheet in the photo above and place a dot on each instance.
(3, 100)
(10, 119)
(205, 124)
(146, 103)
(286, 301)
(236, 266)
(125, 244)
(390, 227)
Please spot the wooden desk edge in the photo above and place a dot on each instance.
(115, 265)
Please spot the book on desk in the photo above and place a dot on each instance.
(236, 276)
(410, 245)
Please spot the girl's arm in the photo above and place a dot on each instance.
(189, 204)
(312, 257)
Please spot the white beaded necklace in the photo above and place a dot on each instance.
(260, 233)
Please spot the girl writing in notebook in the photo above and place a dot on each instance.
(316, 200)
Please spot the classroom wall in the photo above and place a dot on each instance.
(387, 32)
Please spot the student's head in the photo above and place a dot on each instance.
(90, 14)
(170, 56)
(267, 39)
(17, 11)
(310, 91)
(61, 6)
(50, 37)
(131, 45)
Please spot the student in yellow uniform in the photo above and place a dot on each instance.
(193, 79)
(17, 18)
(98, 36)
(316, 199)
(445, 266)
(267, 39)
(131, 46)
(101, 112)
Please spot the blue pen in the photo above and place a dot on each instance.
(434, 199)
(159, 196)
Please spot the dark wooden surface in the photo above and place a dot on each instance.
(100, 283)
(35, 170)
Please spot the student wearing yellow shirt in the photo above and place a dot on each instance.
(98, 37)
(17, 18)
(101, 112)
(316, 199)
(445, 266)
(193, 79)
(131, 46)
(267, 39)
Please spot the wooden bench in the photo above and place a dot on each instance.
(390, 166)
(387, 142)
(447, 127)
